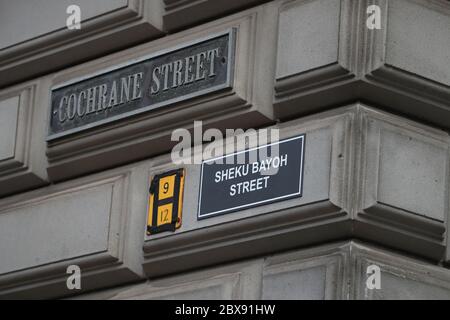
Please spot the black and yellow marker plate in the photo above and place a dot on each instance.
(166, 202)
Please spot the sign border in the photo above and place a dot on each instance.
(231, 32)
(299, 193)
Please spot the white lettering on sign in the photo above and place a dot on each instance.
(249, 186)
(98, 98)
(253, 168)
(184, 71)
(252, 177)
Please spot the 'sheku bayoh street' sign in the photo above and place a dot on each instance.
(269, 173)
(141, 85)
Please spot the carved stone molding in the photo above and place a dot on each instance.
(400, 277)
(183, 13)
(354, 188)
(319, 215)
(246, 104)
(401, 67)
(403, 183)
(22, 160)
(112, 27)
(84, 223)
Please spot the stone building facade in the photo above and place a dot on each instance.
(365, 82)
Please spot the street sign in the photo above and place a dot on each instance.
(166, 202)
(151, 82)
(253, 177)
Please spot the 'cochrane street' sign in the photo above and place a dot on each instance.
(253, 177)
(149, 83)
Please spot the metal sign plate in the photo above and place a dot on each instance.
(166, 202)
(151, 82)
(264, 177)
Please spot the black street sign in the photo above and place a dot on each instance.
(253, 177)
(152, 82)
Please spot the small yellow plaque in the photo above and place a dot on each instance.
(166, 202)
(165, 214)
(166, 187)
